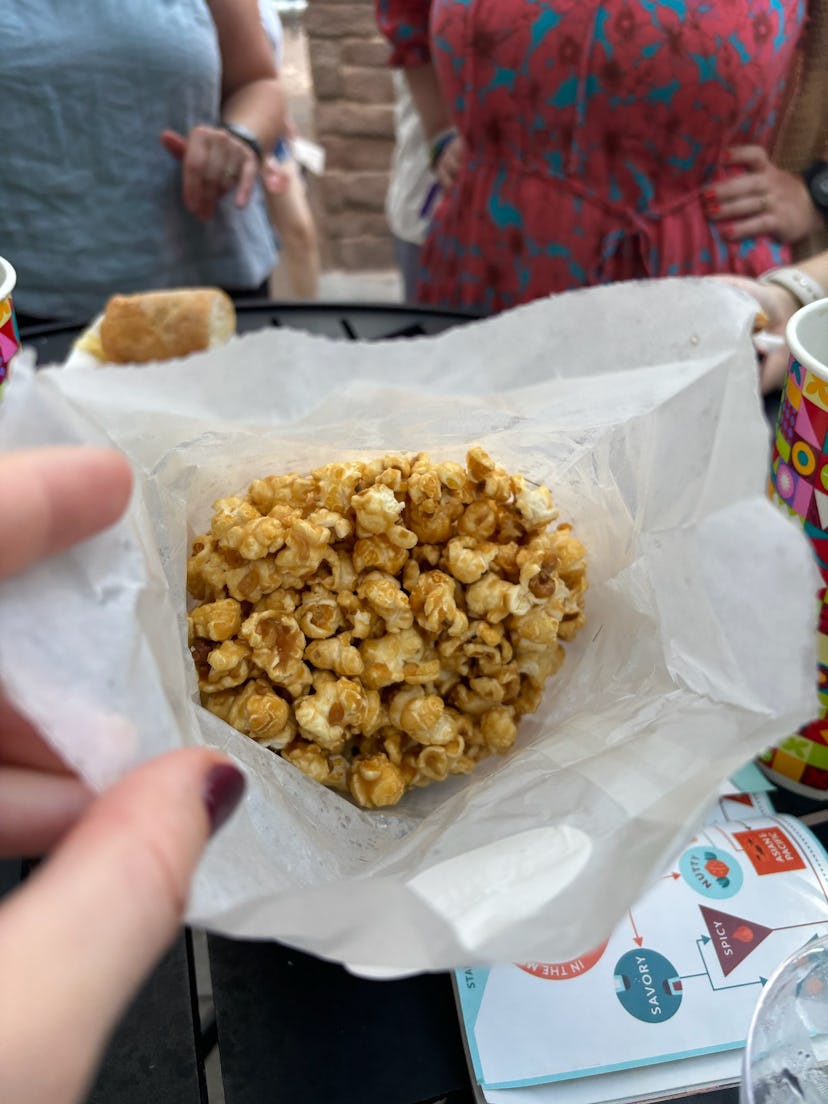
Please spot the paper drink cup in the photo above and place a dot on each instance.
(798, 483)
(9, 336)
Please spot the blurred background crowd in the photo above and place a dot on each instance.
(466, 156)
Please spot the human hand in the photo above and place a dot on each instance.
(274, 178)
(761, 200)
(448, 163)
(77, 939)
(214, 162)
(777, 305)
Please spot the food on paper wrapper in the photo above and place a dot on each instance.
(760, 320)
(383, 624)
(90, 342)
(160, 325)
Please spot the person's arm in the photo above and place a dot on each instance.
(428, 98)
(251, 91)
(805, 283)
(817, 268)
(405, 24)
(446, 147)
(216, 160)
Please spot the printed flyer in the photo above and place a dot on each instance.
(679, 976)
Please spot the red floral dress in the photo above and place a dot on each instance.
(591, 129)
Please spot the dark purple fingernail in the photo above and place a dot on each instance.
(223, 790)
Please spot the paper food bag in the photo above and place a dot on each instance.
(637, 405)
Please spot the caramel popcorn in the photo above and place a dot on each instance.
(383, 625)
(376, 781)
(256, 711)
(216, 620)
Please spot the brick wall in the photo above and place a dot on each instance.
(354, 121)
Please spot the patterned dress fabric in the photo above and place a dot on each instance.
(591, 129)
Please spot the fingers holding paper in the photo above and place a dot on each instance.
(53, 498)
(78, 938)
(50, 499)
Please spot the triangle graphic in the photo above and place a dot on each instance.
(804, 428)
(733, 937)
(741, 798)
(822, 507)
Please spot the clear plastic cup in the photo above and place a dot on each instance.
(786, 1055)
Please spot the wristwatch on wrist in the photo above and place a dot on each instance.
(804, 288)
(816, 181)
(244, 135)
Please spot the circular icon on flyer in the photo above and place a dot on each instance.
(562, 971)
(711, 872)
(648, 985)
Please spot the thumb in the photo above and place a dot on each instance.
(78, 938)
(174, 143)
(274, 178)
(247, 181)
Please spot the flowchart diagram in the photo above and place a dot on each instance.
(680, 974)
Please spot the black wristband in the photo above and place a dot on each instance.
(816, 181)
(244, 135)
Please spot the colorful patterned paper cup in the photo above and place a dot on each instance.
(9, 335)
(798, 484)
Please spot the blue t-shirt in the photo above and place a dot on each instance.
(90, 202)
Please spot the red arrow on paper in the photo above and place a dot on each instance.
(639, 939)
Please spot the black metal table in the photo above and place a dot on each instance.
(289, 1027)
(292, 1029)
(348, 321)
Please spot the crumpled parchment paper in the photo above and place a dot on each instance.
(637, 405)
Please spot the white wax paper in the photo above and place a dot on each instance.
(637, 405)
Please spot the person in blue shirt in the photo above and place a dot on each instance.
(132, 138)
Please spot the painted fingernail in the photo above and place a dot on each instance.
(223, 790)
(709, 197)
